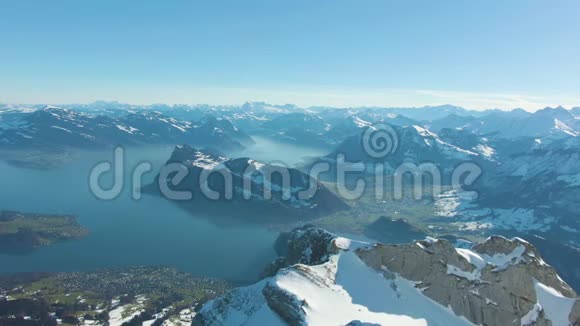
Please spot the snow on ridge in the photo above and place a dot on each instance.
(499, 261)
(342, 290)
(340, 303)
(360, 122)
(178, 127)
(127, 129)
(449, 149)
(349, 244)
(61, 128)
(425, 132)
(559, 125)
(556, 307)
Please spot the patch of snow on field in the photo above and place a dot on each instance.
(461, 206)
(520, 219)
(451, 203)
(123, 314)
(116, 315)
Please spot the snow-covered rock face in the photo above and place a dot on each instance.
(497, 282)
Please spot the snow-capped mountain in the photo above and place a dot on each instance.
(250, 183)
(417, 144)
(547, 123)
(344, 127)
(325, 279)
(328, 128)
(301, 128)
(535, 189)
(423, 114)
(430, 113)
(220, 131)
(248, 117)
(53, 127)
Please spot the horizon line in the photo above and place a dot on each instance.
(173, 105)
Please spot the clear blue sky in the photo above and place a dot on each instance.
(472, 53)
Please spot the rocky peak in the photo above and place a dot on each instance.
(519, 249)
(554, 113)
(326, 279)
(310, 246)
(494, 283)
(221, 127)
(575, 315)
(183, 152)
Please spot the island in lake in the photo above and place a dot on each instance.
(26, 231)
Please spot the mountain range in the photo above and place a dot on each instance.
(528, 159)
(529, 188)
(57, 128)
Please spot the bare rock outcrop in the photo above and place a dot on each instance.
(575, 315)
(306, 245)
(285, 304)
(494, 283)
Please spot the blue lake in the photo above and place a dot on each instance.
(150, 231)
